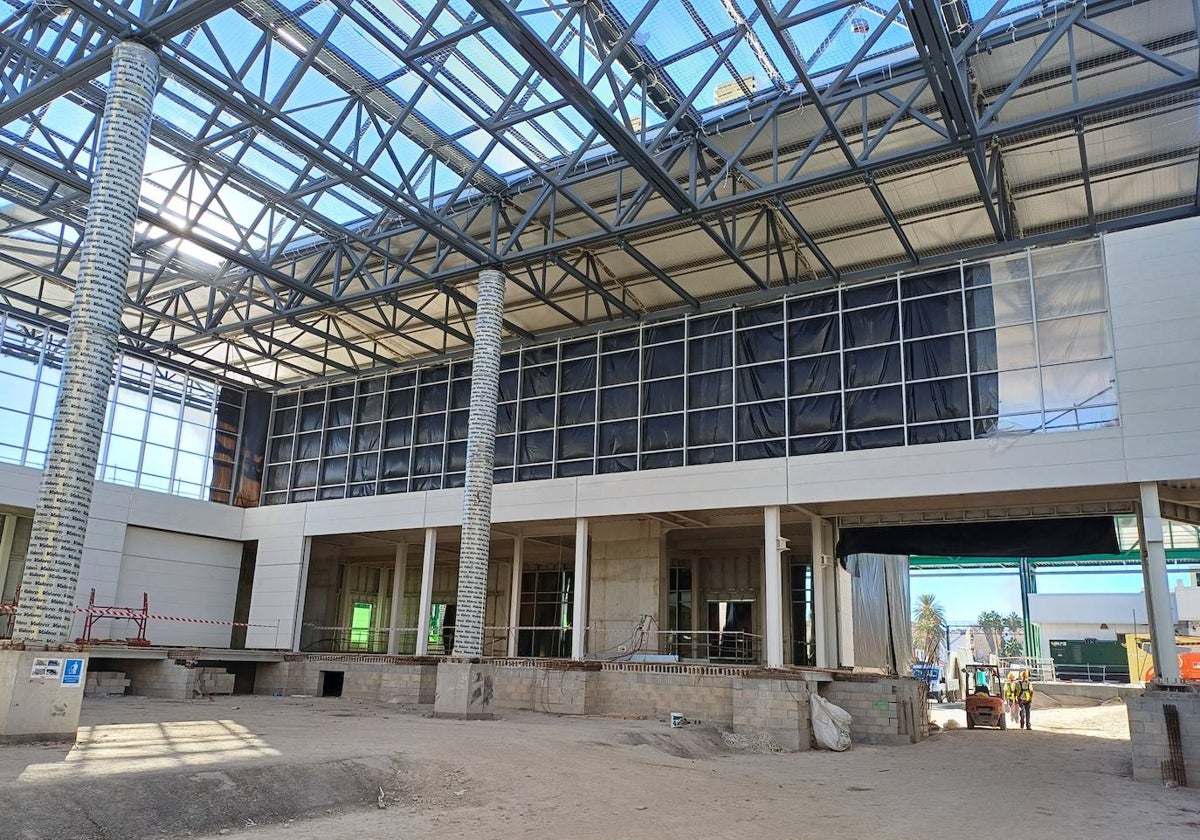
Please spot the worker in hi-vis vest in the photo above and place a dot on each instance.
(1024, 698)
(1010, 696)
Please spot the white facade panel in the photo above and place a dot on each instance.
(372, 513)
(553, 499)
(1030, 462)
(1152, 292)
(160, 510)
(708, 487)
(277, 595)
(184, 576)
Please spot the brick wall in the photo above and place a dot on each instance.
(775, 708)
(164, 678)
(409, 683)
(1148, 734)
(883, 710)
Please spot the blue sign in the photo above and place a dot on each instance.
(72, 672)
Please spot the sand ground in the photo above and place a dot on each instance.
(252, 767)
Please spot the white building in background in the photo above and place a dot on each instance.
(1079, 616)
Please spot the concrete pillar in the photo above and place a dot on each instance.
(6, 544)
(773, 547)
(820, 631)
(481, 460)
(426, 602)
(1158, 595)
(514, 594)
(378, 619)
(65, 495)
(579, 609)
(397, 611)
(844, 598)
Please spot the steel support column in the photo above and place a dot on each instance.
(821, 633)
(426, 602)
(514, 595)
(579, 603)
(1158, 596)
(1027, 586)
(65, 495)
(397, 612)
(481, 459)
(773, 547)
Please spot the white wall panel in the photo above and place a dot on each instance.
(278, 592)
(1064, 459)
(160, 510)
(371, 513)
(712, 486)
(532, 500)
(1152, 280)
(184, 575)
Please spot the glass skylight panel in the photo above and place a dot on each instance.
(334, 208)
(442, 114)
(498, 159)
(829, 42)
(363, 49)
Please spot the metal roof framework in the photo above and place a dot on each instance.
(326, 177)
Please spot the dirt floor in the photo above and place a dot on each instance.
(259, 768)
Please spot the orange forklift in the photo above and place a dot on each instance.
(984, 696)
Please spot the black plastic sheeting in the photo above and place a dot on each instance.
(1014, 538)
(256, 416)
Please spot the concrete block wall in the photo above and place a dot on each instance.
(886, 711)
(514, 687)
(697, 696)
(776, 708)
(556, 690)
(161, 677)
(380, 681)
(1148, 734)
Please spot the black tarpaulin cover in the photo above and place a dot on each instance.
(1011, 538)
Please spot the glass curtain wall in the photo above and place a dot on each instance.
(1011, 346)
(160, 429)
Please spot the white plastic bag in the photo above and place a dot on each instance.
(830, 723)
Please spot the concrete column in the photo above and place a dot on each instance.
(6, 543)
(426, 592)
(1158, 596)
(579, 609)
(481, 460)
(397, 611)
(65, 495)
(820, 632)
(844, 598)
(382, 585)
(773, 547)
(514, 594)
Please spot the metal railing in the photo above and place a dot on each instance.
(626, 642)
(1084, 672)
(1040, 670)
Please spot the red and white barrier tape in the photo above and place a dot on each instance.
(126, 612)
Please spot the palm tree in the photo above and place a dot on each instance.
(1014, 635)
(992, 625)
(929, 623)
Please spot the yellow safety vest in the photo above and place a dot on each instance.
(1024, 691)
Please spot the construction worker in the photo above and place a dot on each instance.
(1010, 696)
(1024, 698)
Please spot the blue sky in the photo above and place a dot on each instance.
(965, 594)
